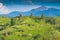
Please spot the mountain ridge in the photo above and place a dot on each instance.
(36, 12)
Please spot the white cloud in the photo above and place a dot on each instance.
(22, 8)
(3, 9)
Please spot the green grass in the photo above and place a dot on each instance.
(29, 28)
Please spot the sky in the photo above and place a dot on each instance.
(7, 6)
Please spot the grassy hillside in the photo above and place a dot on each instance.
(30, 28)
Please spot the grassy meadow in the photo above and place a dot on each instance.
(30, 28)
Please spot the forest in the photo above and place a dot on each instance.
(30, 28)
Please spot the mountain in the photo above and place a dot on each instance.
(13, 14)
(45, 10)
(42, 8)
(36, 12)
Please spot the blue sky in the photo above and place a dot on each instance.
(26, 5)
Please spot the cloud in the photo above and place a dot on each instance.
(22, 8)
(3, 9)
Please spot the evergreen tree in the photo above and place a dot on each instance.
(12, 23)
(31, 15)
(42, 16)
(19, 16)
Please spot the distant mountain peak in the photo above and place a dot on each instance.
(42, 8)
(35, 12)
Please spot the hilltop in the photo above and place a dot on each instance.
(30, 28)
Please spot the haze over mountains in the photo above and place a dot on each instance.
(36, 12)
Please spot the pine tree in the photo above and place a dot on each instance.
(12, 23)
(42, 16)
(19, 16)
(31, 15)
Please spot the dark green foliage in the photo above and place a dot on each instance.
(31, 15)
(58, 28)
(51, 21)
(9, 33)
(42, 16)
(35, 37)
(24, 35)
(20, 15)
(2, 38)
(43, 38)
(20, 30)
(1, 28)
(12, 22)
(6, 33)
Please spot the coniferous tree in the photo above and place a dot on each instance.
(12, 22)
(42, 16)
(19, 16)
(31, 15)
